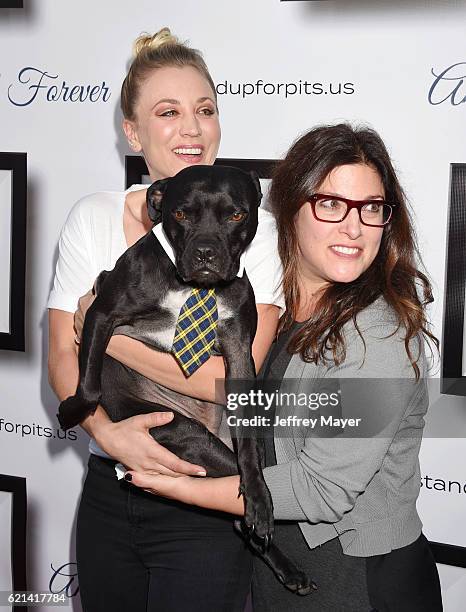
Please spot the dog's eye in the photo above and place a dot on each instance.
(237, 216)
(179, 215)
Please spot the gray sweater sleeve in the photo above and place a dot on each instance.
(322, 481)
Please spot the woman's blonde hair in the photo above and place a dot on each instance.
(160, 50)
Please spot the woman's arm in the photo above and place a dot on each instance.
(304, 489)
(376, 385)
(128, 441)
(164, 369)
(323, 481)
(321, 484)
(212, 493)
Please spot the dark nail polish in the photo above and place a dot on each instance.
(128, 477)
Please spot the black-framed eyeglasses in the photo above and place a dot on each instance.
(331, 209)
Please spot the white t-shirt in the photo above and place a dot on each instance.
(93, 238)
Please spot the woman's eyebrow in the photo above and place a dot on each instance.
(167, 100)
(205, 98)
(369, 197)
(173, 101)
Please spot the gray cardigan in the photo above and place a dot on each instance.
(360, 486)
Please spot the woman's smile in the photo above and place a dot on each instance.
(189, 153)
(347, 252)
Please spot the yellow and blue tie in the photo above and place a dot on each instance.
(196, 330)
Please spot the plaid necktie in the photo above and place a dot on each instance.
(195, 330)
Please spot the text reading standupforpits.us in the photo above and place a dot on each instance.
(287, 90)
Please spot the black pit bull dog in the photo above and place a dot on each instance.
(209, 216)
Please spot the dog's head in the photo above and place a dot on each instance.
(209, 214)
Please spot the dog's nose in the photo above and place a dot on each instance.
(204, 253)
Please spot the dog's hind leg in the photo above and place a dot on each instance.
(190, 440)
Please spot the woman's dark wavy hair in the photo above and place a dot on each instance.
(393, 274)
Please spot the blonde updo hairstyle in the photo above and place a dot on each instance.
(161, 50)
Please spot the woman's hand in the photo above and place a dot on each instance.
(180, 488)
(130, 442)
(84, 303)
(212, 493)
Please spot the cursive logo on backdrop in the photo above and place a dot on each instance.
(63, 578)
(449, 85)
(33, 82)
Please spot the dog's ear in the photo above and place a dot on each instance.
(255, 177)
(154, 199)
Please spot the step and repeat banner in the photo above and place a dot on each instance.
(280, 68)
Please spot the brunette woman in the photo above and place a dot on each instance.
(355, 324)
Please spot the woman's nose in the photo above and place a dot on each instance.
(351, 226)
(190, 126)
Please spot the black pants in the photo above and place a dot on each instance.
(137, 552)
(404, 580)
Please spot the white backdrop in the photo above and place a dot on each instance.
(381, 54)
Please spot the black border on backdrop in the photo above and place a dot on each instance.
(9, 4)
(136, 168)
(17, 487)
(449, 554)
(453, 382)
(17, 163)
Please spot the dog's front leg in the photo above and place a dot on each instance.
(97, 331)
(258, 515)
(240, 375)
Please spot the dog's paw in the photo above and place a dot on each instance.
(284, 569)
(259, 544)
(73, 410)
(298, 582)
(258, 515)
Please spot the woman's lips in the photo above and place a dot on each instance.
(191, 155)
(345, 251)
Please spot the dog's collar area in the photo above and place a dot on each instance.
(167, 247)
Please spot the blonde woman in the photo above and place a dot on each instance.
(136, 551)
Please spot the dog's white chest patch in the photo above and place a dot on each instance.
(161, 336)
(224, 310)
(172, 303)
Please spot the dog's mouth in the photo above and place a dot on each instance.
(206, 263)
(206, 274)
(202, 276)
